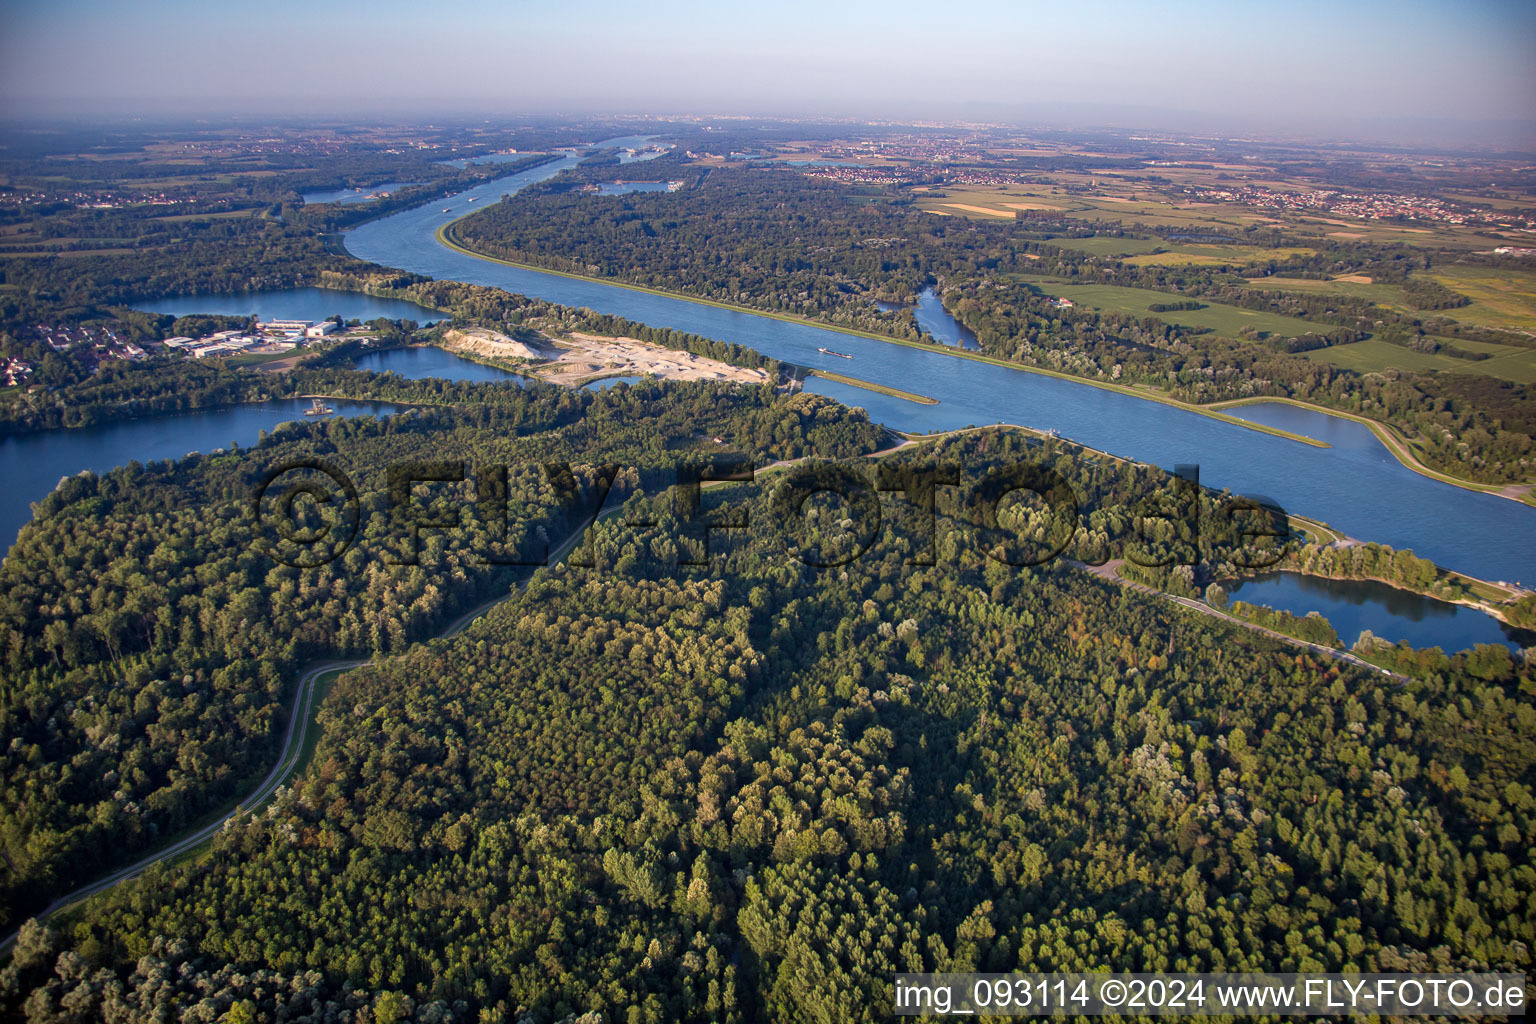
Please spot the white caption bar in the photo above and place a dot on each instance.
(1209, 995)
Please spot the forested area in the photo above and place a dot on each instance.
(769, 239)
(777, 240)
(149, 640)
(753, 790)
(661, 787)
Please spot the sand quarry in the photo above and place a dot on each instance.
(580, 358)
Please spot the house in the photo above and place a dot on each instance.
(1063, 303)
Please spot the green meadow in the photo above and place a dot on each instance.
(1226, 321)
(1507, 362)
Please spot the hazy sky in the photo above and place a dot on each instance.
(1293, 64)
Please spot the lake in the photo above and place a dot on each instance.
(32, 464)
(293, 304)
(603, 383)
(420, 362)
(346, 196)
(1392, 614)
(1361, 490)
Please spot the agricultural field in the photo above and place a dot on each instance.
(1509, 362)
(1108, 245)
(1209, 255)
(1501, 298)
(1352, 286)
(1158, 252)
(1225, 320)
(1086, 199)
(1113, 197)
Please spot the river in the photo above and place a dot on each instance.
(347, 196)
(1363, 491)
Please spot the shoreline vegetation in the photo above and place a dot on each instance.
(1474, 585)
(446, 237)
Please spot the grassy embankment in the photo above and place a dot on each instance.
(1401, 448)
(855, 382)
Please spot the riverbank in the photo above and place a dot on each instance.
(445, 237)
(1488, 596)
(1399, 446)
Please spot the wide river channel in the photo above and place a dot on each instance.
(1356, 485)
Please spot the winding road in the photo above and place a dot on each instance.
(295, 739)
(293, 748)
(1110, 571)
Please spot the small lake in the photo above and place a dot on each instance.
(294, 304)
(346, 196)
(935, 319)
(640, 156)
(1392, 614)
(32, 464)
(602, 384)
(420, 362)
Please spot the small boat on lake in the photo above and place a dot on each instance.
(319, 408)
